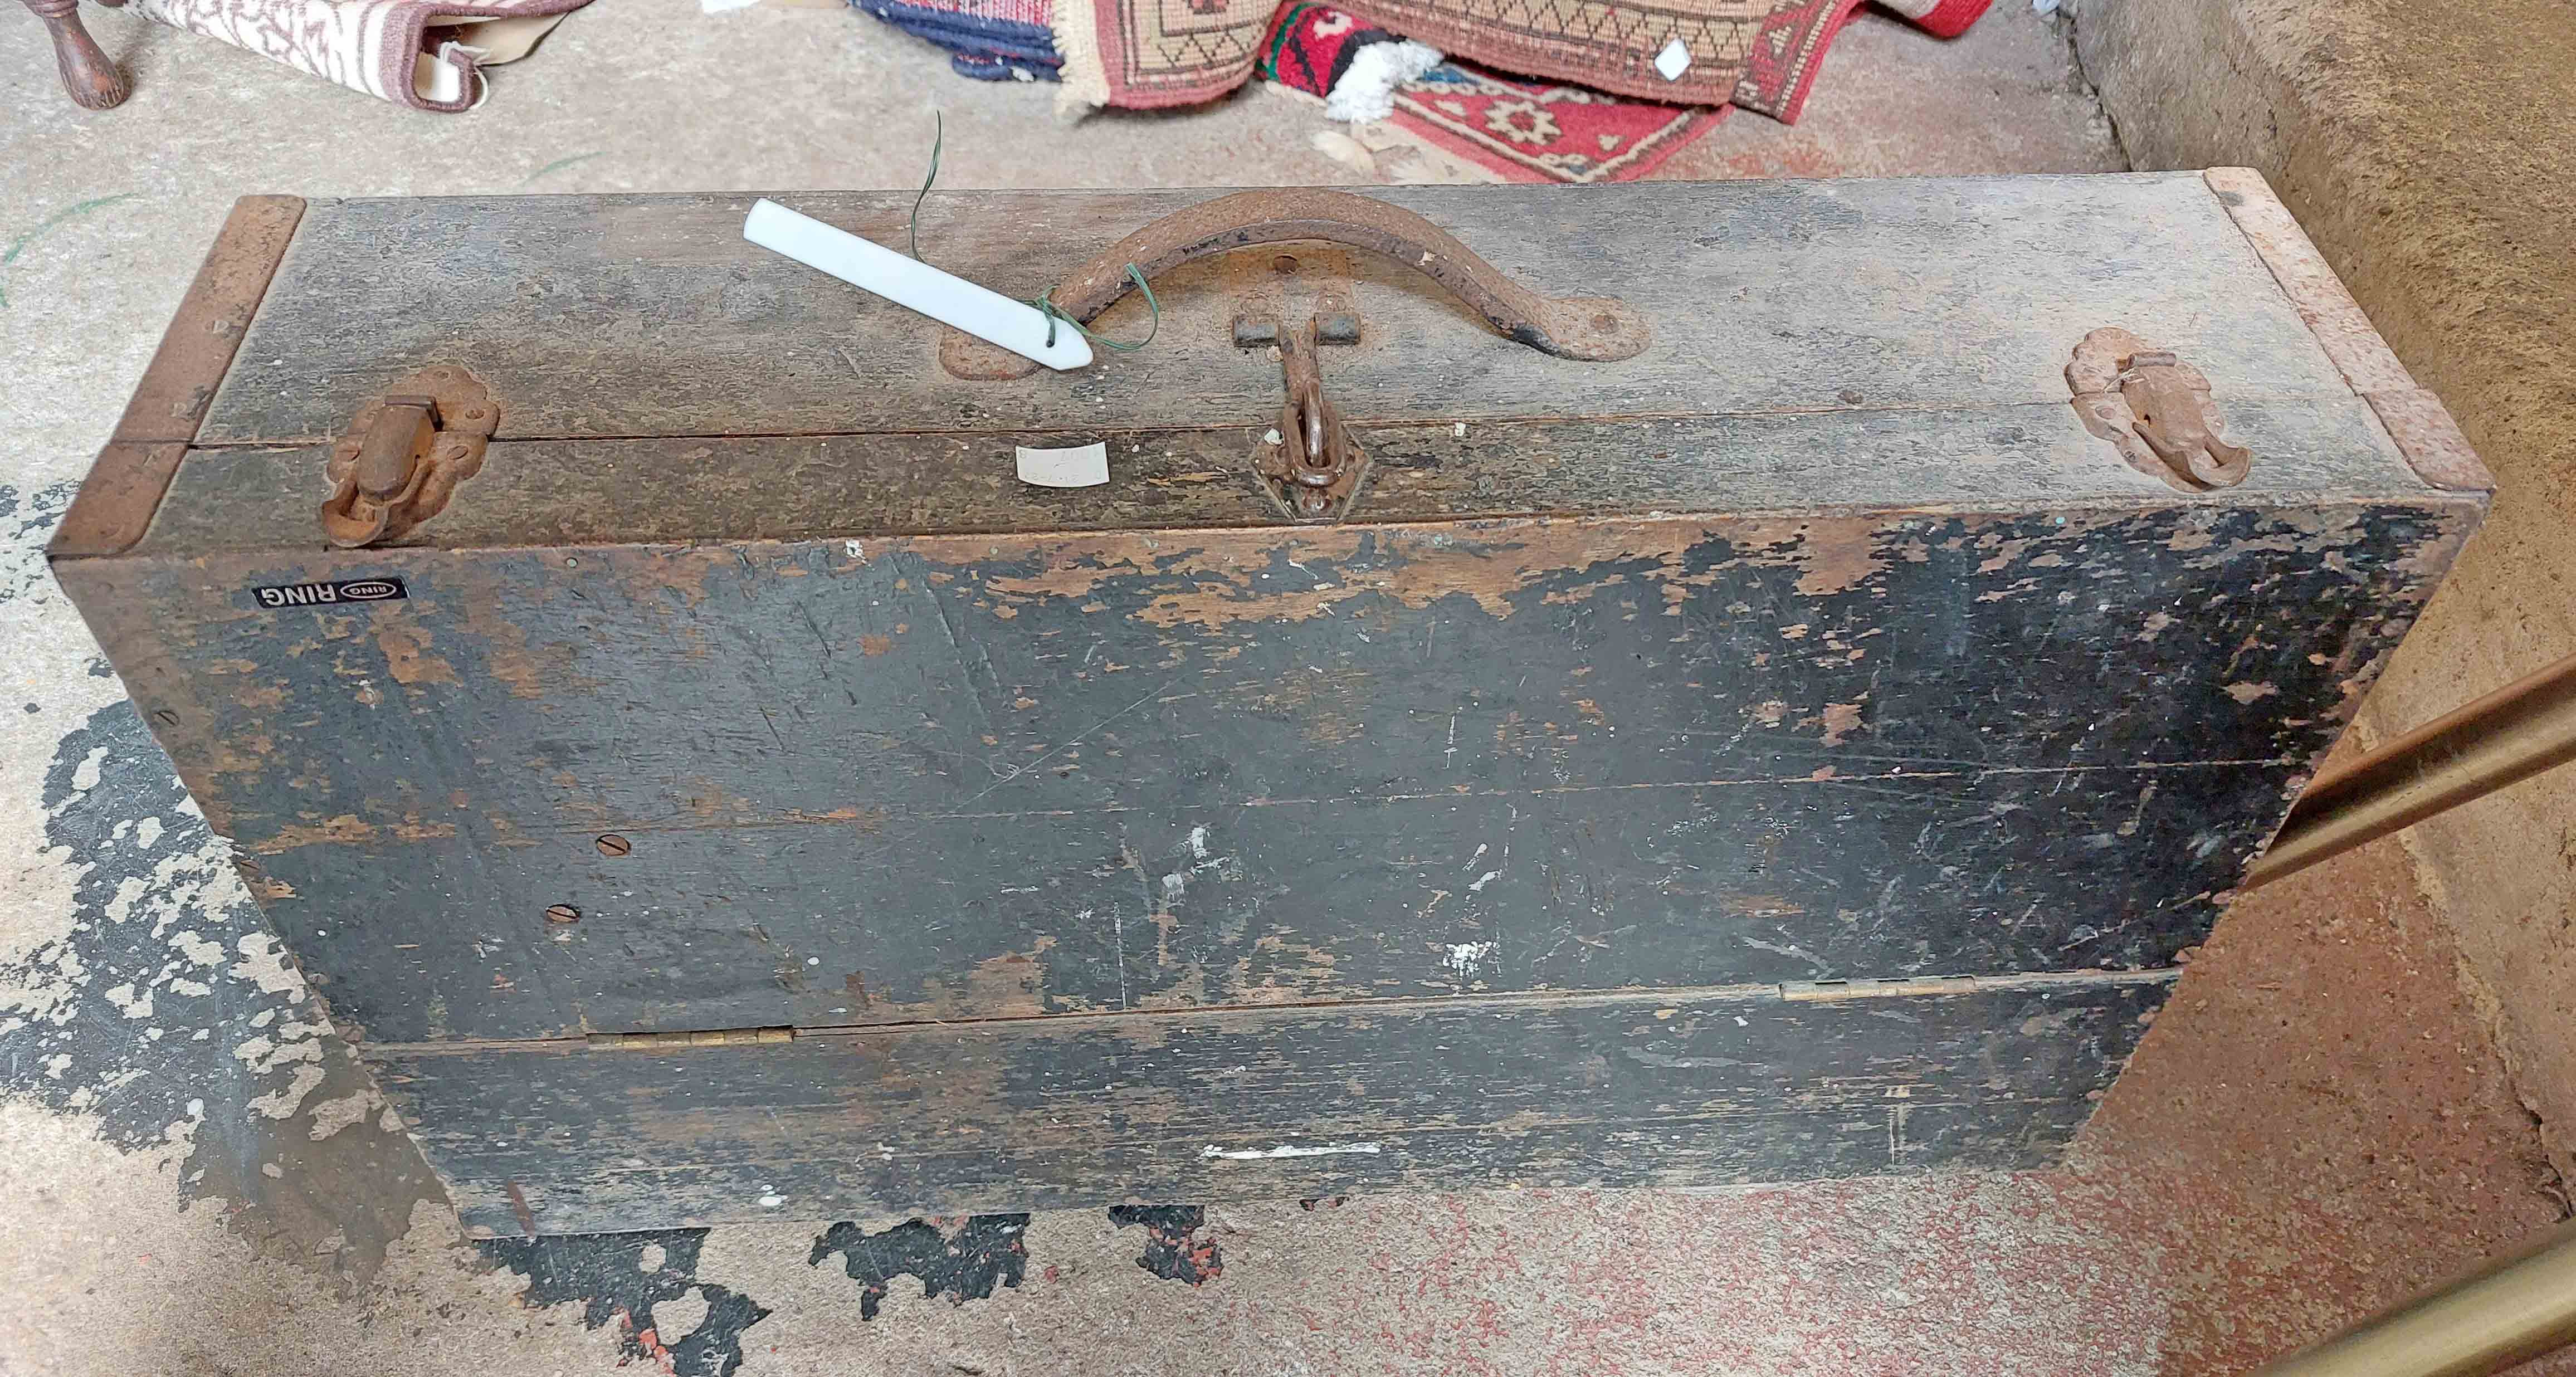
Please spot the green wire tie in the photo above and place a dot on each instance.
(1043, 301)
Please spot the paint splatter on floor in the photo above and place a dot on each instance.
(987, 1250)
(164, 1007)
(1173, 1249)
(647, 1284)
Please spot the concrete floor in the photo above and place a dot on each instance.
(194, 1178)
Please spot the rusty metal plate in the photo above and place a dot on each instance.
(125, 485)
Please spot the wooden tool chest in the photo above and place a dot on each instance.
(1796, 738)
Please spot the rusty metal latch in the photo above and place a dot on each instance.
(1309, 460)
(402, 457)
(2156, 410)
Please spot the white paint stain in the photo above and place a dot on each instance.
(282, 1104)
(1286, 1150)
(1483, 880)
(1202, 861)
(1788, 949)
(297, 1049)
(129, 890)
(331, 1116)
(1466, 957)
(129, 1003)
(264, 965)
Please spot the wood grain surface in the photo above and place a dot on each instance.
(603, 316)
(947, 777)
(1670, 1088)
(1134, 843)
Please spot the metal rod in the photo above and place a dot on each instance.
(2515, 1308)
(2507, 736)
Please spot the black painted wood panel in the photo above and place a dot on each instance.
(1930, 873)
(943, 777)
(1678, 1087)
(1125, 844)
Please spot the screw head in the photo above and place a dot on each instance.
(563, 913)
(614, 845)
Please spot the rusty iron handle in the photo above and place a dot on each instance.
(1593, 328)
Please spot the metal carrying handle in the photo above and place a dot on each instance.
(1595, 328)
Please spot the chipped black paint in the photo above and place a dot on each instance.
(1173, 1251)
(606, 1274)
(987, 1250)
(168, 1011)
(1994, 743)
(26, 517)
(1646, 1089)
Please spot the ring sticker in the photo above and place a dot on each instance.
(344, 590)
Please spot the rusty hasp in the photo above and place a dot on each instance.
(2156, 410)
(401, 459)
(1601, 329)
(1309, 460)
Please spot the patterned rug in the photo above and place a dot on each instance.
(1522, 131)
(989, 40)
(1760, 54)
(427, 54)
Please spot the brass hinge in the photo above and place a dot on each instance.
(2156, 410)
(405, 452)
(688, 1039)
(1804, 991)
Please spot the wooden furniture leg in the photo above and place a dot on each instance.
(92, 80)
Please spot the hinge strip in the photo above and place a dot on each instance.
(688, 1039)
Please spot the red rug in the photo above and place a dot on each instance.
(1760, 54)
(1523, 131)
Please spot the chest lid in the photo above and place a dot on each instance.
(1758, 346)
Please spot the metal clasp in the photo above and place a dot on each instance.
(403, 455)
(1309, 461)
(2156, 410)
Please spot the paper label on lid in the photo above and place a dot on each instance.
(1082, 466)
